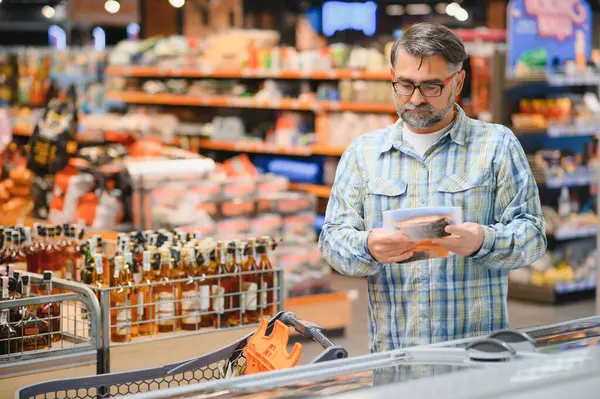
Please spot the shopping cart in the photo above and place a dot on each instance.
(224, 363)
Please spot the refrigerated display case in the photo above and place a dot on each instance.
(568, 374)
(376, 372)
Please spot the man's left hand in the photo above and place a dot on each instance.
(465, 239)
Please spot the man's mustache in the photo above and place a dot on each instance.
(420, 107)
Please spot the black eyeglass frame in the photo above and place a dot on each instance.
(418, 86)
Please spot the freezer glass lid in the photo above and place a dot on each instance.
(318, 386)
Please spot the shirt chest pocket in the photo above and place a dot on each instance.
(383, 195)
(472, 191)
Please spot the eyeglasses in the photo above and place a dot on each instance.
(426, 89)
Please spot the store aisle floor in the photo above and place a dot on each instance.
(356, 338)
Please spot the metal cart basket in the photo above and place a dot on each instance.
(224, 363)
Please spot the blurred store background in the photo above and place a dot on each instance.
(273, 92)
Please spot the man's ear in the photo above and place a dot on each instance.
(392, 73)
(460, 81)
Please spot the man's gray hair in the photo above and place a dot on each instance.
(426, 39)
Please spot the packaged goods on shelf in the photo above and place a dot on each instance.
(568, 223)
(158, 125)
(561, 116)
(23, 119)
(239, 49)
(231, 207)
(571, 263)
(305, 272)
(15, 192)
(365, 91)
(345, 127)
(557, 168)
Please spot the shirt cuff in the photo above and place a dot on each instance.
(366, 255)
(489, 239)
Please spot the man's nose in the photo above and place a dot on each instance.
(417, 98)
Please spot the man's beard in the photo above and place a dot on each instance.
(427, 117)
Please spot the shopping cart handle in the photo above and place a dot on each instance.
(307, 329)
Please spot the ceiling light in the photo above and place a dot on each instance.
(452, 8)
(440, 8)
(177, 3)
(418, 9)
(394, 10)
(48, 11)
(112, 6)
(462, 15)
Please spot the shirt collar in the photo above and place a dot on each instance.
(458, 131)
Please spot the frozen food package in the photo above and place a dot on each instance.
(422, 225)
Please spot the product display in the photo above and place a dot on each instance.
(170, 281)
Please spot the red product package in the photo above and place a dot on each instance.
(240, 166)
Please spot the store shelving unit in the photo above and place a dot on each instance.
(320, 191)
(291, 104)
(560, 292)
(260, 147)
(207, 72)
(85, 137)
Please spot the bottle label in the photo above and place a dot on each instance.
(263, 294)
(249, 296)
(123, 326)
(190, 307)
(4, 317)
(140, 307)
(165, 308)
(137, 278)
(204, 298)
(32, 331)
(218, 294)
(78, 267)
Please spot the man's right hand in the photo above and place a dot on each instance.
(389, 246)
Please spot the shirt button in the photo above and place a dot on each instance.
(423, 202)
(424, 315)
(424, 279)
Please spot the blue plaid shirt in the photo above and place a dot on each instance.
(477, 166)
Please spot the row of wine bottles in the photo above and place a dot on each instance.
(157, 281)
(27, 328)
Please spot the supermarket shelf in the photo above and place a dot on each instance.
(242, 102)
(576, 80)
(334, 151)
(572, 130)
(85, 136)
(255, 147)
(158, 72)
(564, 234)
(260, 147)
(568, 181)
(520, 131)
(560, 293)
(315, 189)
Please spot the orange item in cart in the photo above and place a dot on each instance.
(268, 353)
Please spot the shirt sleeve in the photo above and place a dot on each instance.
(343, 239)
(519, 236)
